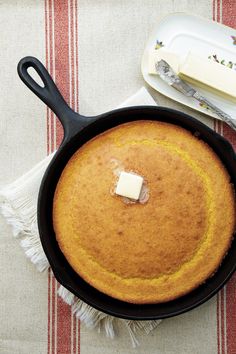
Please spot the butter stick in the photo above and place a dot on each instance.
(209, 75)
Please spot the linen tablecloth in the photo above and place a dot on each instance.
(93, 50)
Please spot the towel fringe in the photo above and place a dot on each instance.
(20, 213)
(34, 251)
(66, 295)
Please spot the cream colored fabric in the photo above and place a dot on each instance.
(112, 36)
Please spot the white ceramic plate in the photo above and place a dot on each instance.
(180, 33)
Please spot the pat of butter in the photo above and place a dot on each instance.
(209, 74)
(156, 55)
(129, 185)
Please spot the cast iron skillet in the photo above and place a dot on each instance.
(79, 129)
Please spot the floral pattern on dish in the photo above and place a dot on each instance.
(229, 63)
(234, 39)
(158, 44)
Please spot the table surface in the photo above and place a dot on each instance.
(93, 50)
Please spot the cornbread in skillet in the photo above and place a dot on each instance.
(156, 251)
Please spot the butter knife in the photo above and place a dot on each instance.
(167, 74)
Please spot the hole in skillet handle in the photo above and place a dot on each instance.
(33, 73)
(71, 121)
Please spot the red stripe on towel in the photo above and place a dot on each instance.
(213, 10)
(222, 309)
(61, 60)
(229, 13)
(50, 148)
(231, 315)
(218, 324)
(76, 61)
(49, 313)
(218, 11)
(53, 314)
(226, 311)
(61, 30)
(229, 19)
(51, 68)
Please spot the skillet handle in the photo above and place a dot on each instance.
(50, 95)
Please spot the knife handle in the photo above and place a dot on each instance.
(224, 116)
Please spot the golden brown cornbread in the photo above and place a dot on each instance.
(152, 252)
